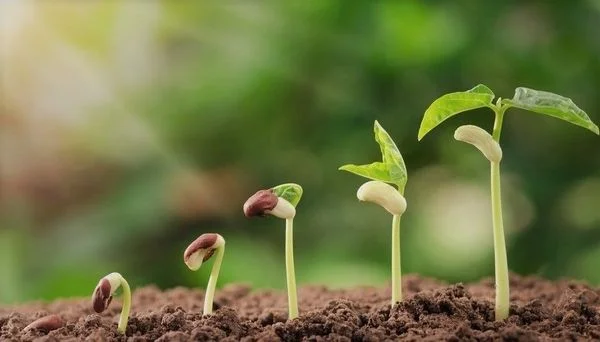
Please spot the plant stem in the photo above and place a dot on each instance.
(396, 271)
(289, 266)
(498, 123)
(500, 259)
(126, 306)
(501, 263)
(212, 282)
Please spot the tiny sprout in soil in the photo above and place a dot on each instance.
(390, 170)
(536, 101)
(103, 296)
(280, 201)
(198, 252)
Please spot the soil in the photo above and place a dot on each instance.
(540, 310)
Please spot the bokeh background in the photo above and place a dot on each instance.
(128, 128)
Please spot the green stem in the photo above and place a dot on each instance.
(126, 306)
(212, 282)
(396, 271)
(500, 259)
(501, 263)
(498, 123)
(289, 266)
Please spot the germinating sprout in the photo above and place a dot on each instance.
(103, 296)
(390, 170)
(198, 252)
(281, 202)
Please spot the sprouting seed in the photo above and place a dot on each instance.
(198, 252)
(281, 202)
(390, 169)
(103, 294)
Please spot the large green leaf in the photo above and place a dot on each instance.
(551, 104)
(454, 103)
(391, 170)
(291, 192)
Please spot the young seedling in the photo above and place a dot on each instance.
(390, 170)
(280, 201)
(103, 296)
(198, 252)
(536, 101)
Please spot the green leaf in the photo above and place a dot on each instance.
(391, 170)
(375, 171)
(551, 104)
(291, 192)
(451, 104)
(391, 156)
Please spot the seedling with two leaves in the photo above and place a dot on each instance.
(390, 170)
(536, 101)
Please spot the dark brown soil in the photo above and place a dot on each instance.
(540, 310)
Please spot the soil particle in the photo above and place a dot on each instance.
(431, 311)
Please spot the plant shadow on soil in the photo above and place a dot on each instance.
(540, 310)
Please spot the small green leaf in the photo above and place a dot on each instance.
(375, 171)
(391, 156)
(551, 104)
(454, 103)
(391, 170)
(291, 192)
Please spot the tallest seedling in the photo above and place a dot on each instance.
(390, 170)
(536, 101)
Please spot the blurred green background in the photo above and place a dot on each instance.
(128, 128)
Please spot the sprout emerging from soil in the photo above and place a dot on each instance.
(198, 252)
(103, 296)
(280, 201)
(540, 102)
(390, 170)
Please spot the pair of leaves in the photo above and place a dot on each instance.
(480, 96)
(391, 169)
(291, 192)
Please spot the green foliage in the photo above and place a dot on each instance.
(391, 170)
(550, 104)
(454, 103)
(537, 101)
(291, 192)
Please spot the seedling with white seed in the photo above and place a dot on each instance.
(536, 101)
(390, 170)
(198, 252)
(103, 296)
(280, 201)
